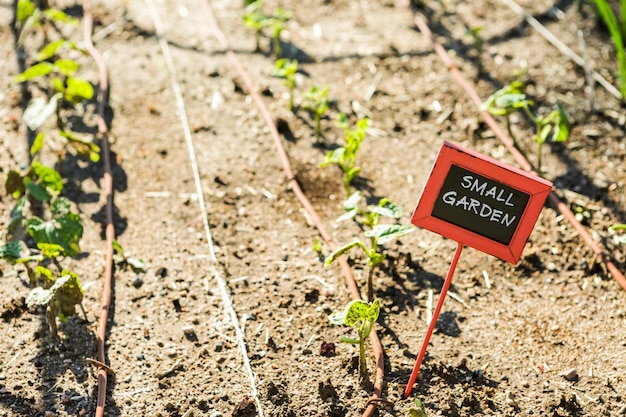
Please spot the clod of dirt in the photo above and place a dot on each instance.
(327, 349)
(327, 390)
(245, 408)
(570, 375)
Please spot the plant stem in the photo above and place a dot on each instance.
(362, 360)
(370, 284)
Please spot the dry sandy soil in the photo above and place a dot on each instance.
(545, 337)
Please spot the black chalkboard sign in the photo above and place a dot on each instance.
(481, 202)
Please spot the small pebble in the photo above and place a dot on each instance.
(137, 282)
(570, 375)
(219, 345)
(140, 356)
(188, 330)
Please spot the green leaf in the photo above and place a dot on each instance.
(68, 295)
(37, 143)
(37, 70)
(561, 126)
(386, 232)
(78, 90)
(12, 251)
(357, 311)
(42, 271)
(352, 202)
(47, 177)
(67, 67)
(137, 264)
(418, 411)
(58, 84)
(61, 235)
(25, 9)
(345, 248)
(65, 294)
(117, 247)
(50, 49)
(387, 209)
(39, 297)
(347, 216)
(82, 146)
(39, 110)
(57, 15)
(333, 157)
(35, 190)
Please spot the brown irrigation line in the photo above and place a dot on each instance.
(284, 158)
(519, 158)
(110, 230)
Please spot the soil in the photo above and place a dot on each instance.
(544, 337)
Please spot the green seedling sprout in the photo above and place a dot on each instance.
(287, 69)
(418, 411)
(60, 295)
(317, 103)
(555, 126)
(619, 233)
(277, 26)
(345, 157)
(377, 233)
(617, 29)
(361, 316)
(257, 20)
(120, 258)
(474, 33)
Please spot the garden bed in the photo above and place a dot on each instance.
(543, 337)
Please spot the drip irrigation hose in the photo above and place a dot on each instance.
(103, 93)
(302, 198)
(517, 155)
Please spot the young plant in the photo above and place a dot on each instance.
(510, 98)
(120, 258)
(377, 233)
(59, 295)
(617, 29)
(345, 156)
(619, 233)
(317, 104)
(474, 33)
(287, 69)
(418, 411)
(361, 316)
(256, 19)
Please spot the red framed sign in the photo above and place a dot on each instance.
(481, 202)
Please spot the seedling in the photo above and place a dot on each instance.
(378, 234)
(361, 316)
(345, 156)
(617, 29)
(619, 233)
(511, 98)
(317, 104)
(478, 45)
(287, 69)
(28, 17)
(255, 19)
(136, 264)
(418, 411)
(60, 295)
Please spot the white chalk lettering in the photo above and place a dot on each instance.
(499, 194)
(478, 208)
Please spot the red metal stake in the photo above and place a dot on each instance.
(433, 321)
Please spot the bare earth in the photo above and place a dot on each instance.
(545, 337)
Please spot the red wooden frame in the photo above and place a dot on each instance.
(537, 188)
